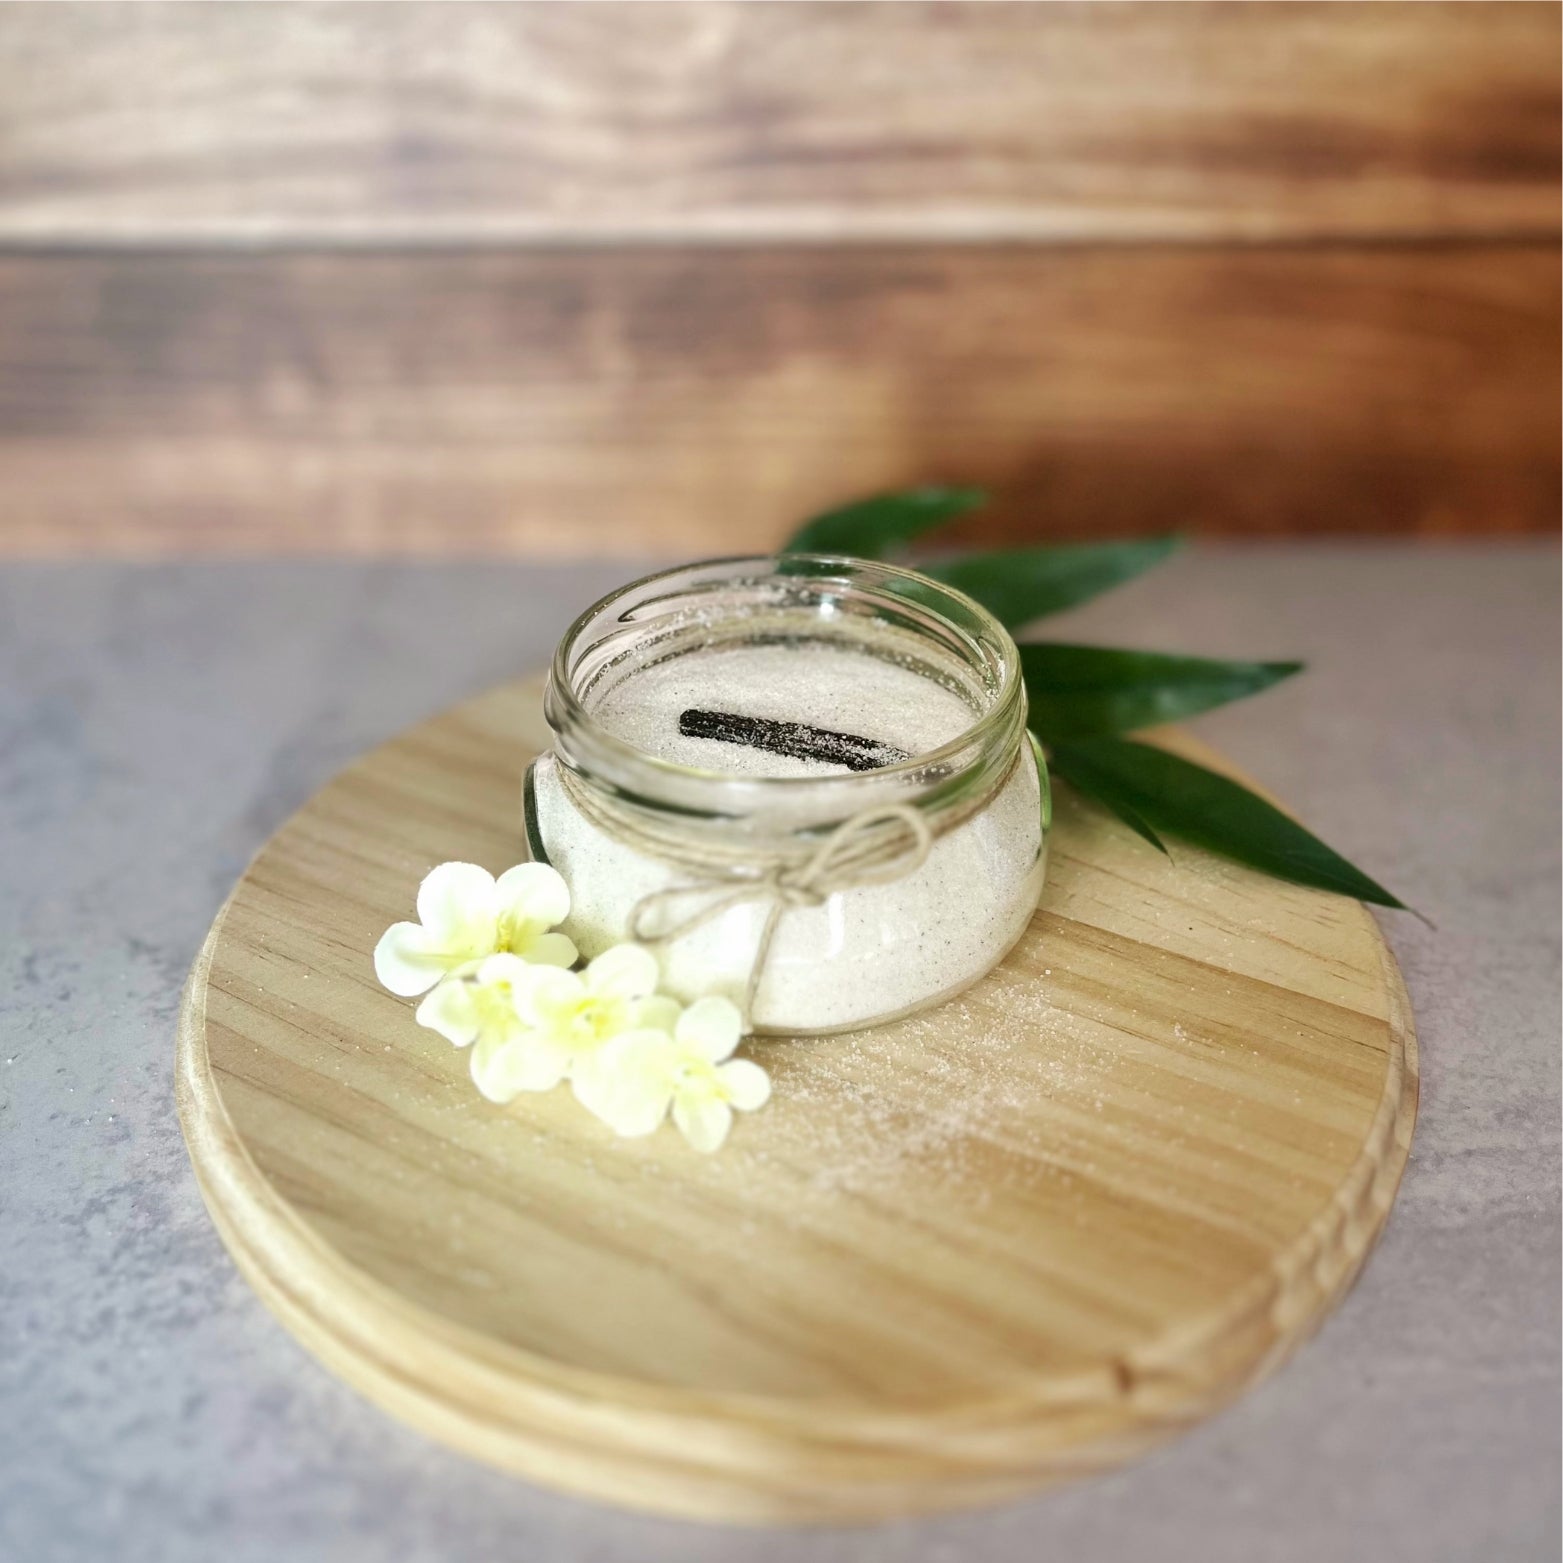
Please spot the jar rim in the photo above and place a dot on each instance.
(647, 777)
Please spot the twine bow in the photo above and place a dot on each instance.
(866, 849)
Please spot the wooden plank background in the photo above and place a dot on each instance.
(612, 400)
(665, 277)
(767, 122)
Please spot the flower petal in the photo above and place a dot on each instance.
(703, 1122)
(658, 1013)
(456, 903)
(406, 962)
(546, 996)
(504, 1067)
(533, 893)
(451, 1009)
(745, 1084)
(627, 971)
(550, 949)
(504, 967)
(628, 1083)
(710, 1028)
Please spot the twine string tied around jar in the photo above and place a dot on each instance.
(876, 846)
(880, 844)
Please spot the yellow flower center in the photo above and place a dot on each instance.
(494, 1000)
(596, 1020)
(511, 933)
(698, 1079)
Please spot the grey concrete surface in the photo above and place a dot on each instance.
(157, 723)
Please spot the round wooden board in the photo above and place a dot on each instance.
(1011, 1240)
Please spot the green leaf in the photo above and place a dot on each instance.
(1131, 817)
(1183, 799)
(1018, 585)
(875, 528)
(1082, 691)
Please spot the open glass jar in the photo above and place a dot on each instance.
(806, 780)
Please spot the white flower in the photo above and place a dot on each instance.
(570, 1015)
(465, 915)
(532, 1024)
(495, 978)
(631, 1081)
(480, 1009)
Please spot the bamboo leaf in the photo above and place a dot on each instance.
(1129, 815)
(875, 528)
(1183, 799)
(1083, 691)
(1018, 585)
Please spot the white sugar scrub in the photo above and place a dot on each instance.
(804, 684)
(806, 781)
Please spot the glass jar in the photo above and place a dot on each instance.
(805, 780)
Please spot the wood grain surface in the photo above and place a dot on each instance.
(1003, 1243)
(699, 402)
(322, 123)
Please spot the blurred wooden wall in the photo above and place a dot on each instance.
(576, 278)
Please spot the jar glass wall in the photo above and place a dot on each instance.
(716, 729)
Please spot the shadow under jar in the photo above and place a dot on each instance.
(805, 781)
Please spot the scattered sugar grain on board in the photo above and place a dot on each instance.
(976, 1089)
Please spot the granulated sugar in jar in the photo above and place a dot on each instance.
(805, 781)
